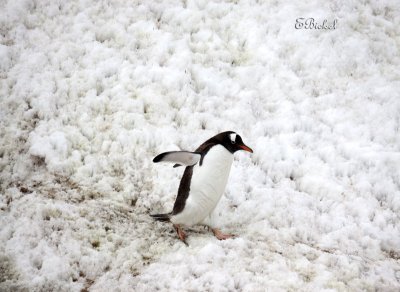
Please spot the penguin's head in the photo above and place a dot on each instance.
(233, 142)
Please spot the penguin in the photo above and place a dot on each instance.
(203, 182)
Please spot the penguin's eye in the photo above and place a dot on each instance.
(233, 142)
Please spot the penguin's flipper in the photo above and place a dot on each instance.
(185, 158)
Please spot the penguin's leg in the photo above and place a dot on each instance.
(208, 221)
(181, 234)
(221, 236)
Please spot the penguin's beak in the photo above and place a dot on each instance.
(246, 148)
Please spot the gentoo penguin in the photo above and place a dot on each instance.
(203, 181)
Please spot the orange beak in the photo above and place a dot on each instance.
(245, 148)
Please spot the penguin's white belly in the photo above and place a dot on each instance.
(207, 186)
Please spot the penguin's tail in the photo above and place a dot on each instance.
(161, 217)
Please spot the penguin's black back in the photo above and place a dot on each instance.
(183, 191)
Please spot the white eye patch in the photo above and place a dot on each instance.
(233, 137)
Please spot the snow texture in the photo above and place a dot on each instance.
(91, 91)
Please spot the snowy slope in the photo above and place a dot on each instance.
(91, 91)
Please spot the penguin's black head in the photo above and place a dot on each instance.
(233, 142)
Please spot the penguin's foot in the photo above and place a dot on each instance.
(181, 234)
(221, 236)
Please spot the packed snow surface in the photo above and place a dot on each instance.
(91, 91)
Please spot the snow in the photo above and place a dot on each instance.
(91, 91)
